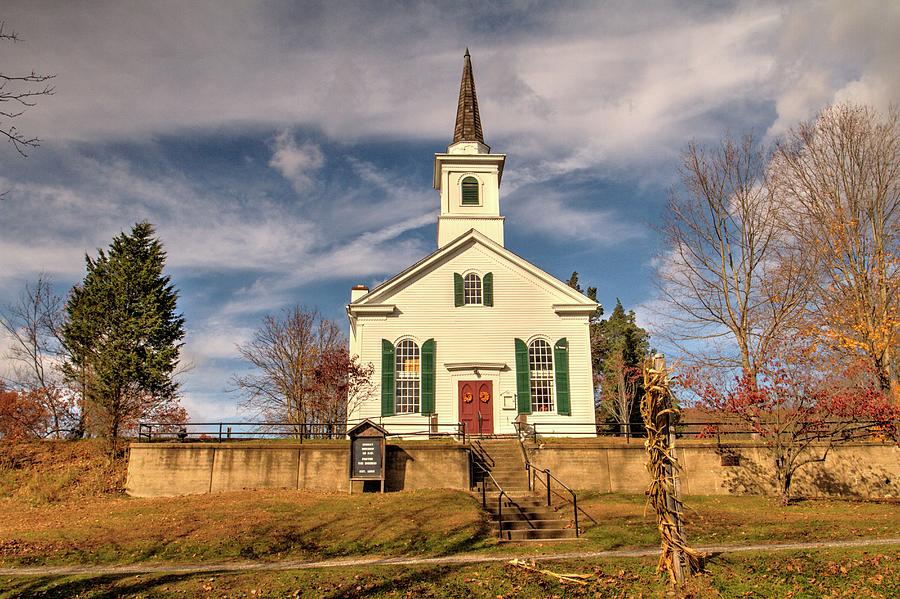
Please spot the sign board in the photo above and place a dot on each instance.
(367, 455)
(367, 458)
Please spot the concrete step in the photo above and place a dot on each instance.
(536, 513)
(531, 525)
(514, 515)
(540, 533)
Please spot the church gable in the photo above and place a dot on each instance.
(474, 271)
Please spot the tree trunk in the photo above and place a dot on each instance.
(784, 475)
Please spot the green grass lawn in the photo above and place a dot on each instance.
(874, 572)
(271, 525)
(62, 503)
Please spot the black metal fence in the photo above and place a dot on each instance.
(302, 431)
(296, 431)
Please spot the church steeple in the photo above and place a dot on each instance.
(468, 175)
(468, 121)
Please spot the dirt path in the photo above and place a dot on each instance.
(467, 558)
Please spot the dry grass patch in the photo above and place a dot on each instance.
(242, 525)
(822, 573)
(46, 472)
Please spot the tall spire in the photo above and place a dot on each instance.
(468, 121)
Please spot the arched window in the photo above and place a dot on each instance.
(470, 192)
(540, 364)
(472, 289)
(407, 378)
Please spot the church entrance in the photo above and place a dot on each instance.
(476, 407)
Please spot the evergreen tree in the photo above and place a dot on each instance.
(123, 335)
(618, 348)
(621, 349)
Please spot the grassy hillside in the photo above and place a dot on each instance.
(39, 473)
(63, 503)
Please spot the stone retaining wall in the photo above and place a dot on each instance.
(864, 470)
(167, 469)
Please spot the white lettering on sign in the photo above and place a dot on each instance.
(367, 458)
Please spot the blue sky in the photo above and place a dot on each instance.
(284, 149)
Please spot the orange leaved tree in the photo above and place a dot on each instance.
(798, 411)
(838, 180)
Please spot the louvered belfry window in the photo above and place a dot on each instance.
(540, 366)
(470, 192)
(407, 377)
(472, 289)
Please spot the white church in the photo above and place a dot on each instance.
(472, 333)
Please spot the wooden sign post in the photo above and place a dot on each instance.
(367, 452)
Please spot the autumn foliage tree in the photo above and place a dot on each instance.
(837, 180)
(32, 326)
(798, 411)
(21, 415)
(302, 372)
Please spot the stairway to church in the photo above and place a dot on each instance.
(526, 516)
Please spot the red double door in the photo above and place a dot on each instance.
(476, 407)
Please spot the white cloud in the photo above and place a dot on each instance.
(547, 213)
(296, 163)
(833, 51)
(603, 83)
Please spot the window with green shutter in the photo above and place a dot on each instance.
(561, 357)
(470, 192)
(523, 382)
(387, 378)
(428, 377)
(487, 283)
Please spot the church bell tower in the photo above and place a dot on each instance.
(468, 175)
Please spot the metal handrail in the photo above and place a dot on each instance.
(563, 485)
(500, 496)
(530, 470)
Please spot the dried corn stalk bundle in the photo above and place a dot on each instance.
(658, 410)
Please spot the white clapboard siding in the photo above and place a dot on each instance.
(523, 308)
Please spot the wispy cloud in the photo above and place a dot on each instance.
(296, 162)
(601, 82)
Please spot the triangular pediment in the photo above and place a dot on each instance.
(557, 291)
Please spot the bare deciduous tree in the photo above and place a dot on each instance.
(620, 385)
(33, 326)
(19, 92)
(303, 372)
(838, 180)
(726, 276)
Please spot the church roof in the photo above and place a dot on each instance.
(575, 299)
(468, 121)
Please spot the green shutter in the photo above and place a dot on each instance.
(523, 380)
(428, 377)
(561, 365)
(458, 297)
(387, 378)
(470, 191)
(487, 289)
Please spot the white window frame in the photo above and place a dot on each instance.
(475, 291)
(541, 376)
(407, 383)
